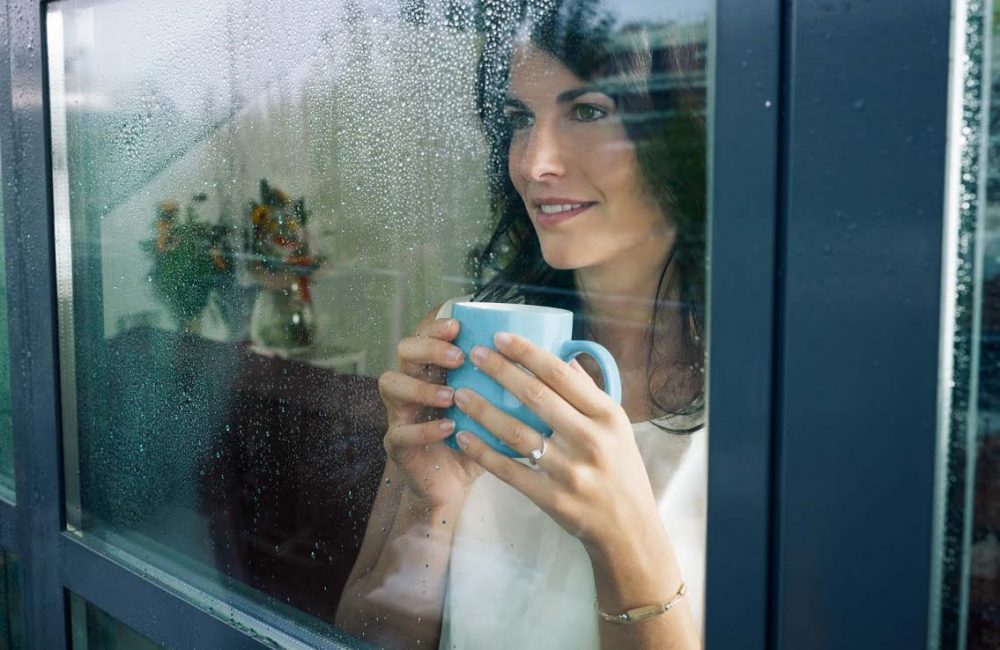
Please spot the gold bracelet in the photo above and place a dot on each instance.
(637, 614)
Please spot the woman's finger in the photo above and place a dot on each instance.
(531, 391)
(404, 389)
(581, 392)
(402, 436)
(425, 349)
(534, 485)
(514, 433)
(445, 329)
(575, 365)
(421, 350)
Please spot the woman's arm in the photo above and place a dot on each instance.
(395, 593)
(642, 570)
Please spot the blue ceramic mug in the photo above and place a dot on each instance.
(547, 327)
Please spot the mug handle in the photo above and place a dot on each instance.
(609, 368)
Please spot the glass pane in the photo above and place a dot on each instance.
(260, 205)
(6, 427)
(966, 611)
(94, 629)
(10, 602)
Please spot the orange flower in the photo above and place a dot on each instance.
(218, 261)
(168, 209)
(163, 239)
(260, 214)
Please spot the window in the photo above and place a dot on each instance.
(221, 219)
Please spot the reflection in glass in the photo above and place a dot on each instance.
(94, 629)
(257, 203)
(10, 602)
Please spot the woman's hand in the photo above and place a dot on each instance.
(434, 473)
(592, 481)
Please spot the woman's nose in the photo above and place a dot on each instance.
(543, 154)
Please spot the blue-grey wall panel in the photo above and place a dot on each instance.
(864, 185)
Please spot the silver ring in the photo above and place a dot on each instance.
(535, 455)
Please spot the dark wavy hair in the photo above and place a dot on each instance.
(663, 121)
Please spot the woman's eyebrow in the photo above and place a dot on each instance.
(569, 95)
(514, 102)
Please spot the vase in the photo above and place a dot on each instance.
(282, 319)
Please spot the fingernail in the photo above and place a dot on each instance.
(502, 338)
(445, 394)
(454, 354)
(446, 425)
(463, 440)
(478, 354)
(461, 397)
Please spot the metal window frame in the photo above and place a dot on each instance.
(33, 344)
(772, 192)
(743, 240)
(862, 220)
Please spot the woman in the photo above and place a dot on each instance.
(469, 548)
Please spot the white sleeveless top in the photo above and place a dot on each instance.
(517, 580)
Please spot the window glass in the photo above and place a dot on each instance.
(95, 629)
(966, 603)
(6, 427)
(261, 207)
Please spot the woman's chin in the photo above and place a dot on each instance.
(562, 260)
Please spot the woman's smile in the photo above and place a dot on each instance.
(551, 212)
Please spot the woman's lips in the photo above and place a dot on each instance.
(550, 214)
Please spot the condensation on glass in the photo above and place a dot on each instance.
(965, 598)
(254, 203)
(6, 426)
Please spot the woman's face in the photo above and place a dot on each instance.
(576, 169)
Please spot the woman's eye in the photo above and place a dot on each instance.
(588, 112)
(519, 119)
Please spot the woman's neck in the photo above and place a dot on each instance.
(620, 296)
